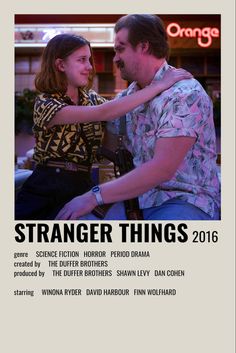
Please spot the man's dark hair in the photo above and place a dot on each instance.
(146, 28)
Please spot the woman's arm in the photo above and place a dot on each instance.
(169, 153)
(115, 108)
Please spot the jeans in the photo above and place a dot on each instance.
(47, 190)
(176, 209)
(173, 209)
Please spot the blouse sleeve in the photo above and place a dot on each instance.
(45, 108)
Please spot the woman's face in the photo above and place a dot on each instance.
(77, 67)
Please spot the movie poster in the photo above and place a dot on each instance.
(120, 286)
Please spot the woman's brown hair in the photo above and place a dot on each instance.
(49, 79)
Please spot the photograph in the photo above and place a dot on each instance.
(117, 117)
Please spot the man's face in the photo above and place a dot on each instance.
(127, 58)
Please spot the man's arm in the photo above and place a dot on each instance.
(168, 155)
(115, 108)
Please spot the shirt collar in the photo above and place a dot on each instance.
(83, 96)
(160, 72)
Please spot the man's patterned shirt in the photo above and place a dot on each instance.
(183, 110)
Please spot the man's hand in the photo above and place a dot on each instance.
(77, 207)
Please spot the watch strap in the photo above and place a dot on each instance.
(97, 193)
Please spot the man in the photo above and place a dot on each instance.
(172, 138)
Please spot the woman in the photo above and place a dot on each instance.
(66, 125)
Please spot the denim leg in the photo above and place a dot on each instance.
(115, 212)
(175, 209)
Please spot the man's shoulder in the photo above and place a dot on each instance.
(183, 88)
(188, 91)
(188, 85)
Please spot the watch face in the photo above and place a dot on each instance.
(95, 189)
(97, 194)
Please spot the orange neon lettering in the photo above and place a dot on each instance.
(204, 35)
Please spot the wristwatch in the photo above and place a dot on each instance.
(97, 193)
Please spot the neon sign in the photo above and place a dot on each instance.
(50, 33)
(204, 35)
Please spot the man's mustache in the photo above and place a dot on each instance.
(120, 64)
